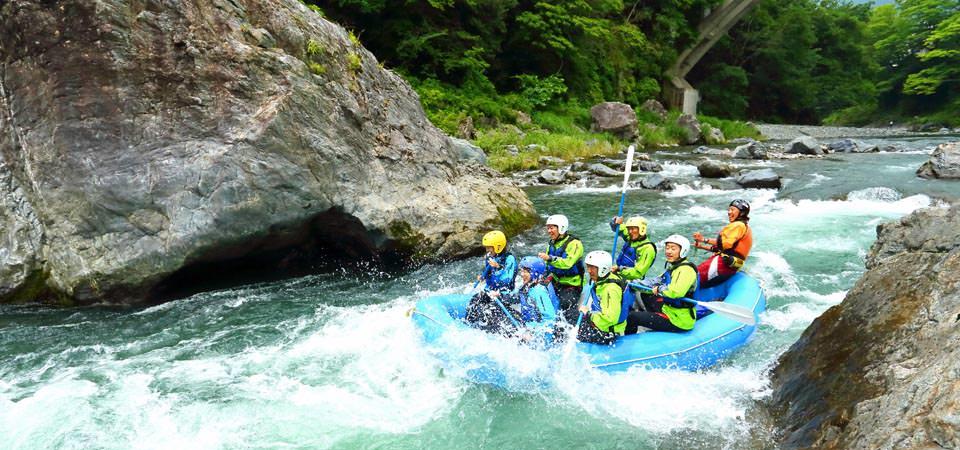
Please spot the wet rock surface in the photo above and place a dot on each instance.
(616, 118)
(881, 369)
(804, 145)
(944, 163)
(714, 169)
(147, 142)
(762, 178)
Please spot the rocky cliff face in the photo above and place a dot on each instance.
(881, 370)
(148, 144)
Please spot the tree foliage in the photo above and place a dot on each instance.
(800, 61)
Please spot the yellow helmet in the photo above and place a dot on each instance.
(639, 222)
(495, 239)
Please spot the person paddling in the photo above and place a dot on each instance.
(499, 273)
(538, 304)
(663, 312)
(602, 319)
(731, 247)
(637, 254)
(563, 260)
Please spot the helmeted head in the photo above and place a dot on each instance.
(683, 246)
(560, 223)
(601, 260)
(638, 223)
(495, 240)
(742, 210)
(535, 266)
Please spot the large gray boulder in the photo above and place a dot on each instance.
(151, 145)
(880, 370)
(852, 146)
(551, 176)
(944, 162)
(657, 182)
(762, 178)
(691, 128)
(616, 118)
(603, 170)
(804, 145)
(714, 169)
(467, 152)
(750, 150)
(654, 107)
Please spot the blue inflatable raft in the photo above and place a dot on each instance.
(712, 338)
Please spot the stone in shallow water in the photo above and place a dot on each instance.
(656, 182)
(714, 169)
(805, 145)
(944, 163)
(763, 178)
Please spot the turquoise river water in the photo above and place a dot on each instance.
(331, 361)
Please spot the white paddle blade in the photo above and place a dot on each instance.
(738, 313)
(628, 167)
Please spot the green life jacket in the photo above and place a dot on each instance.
(684, 316)
(619, 285)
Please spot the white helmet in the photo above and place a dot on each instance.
(601, 260)
(683, 242)
(560, 221)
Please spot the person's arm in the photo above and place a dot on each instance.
(703, 243)
(680, 284)
(548, 314)
(574, 253)
(508, 272)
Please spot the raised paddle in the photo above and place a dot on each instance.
(623, 197)
(738, 313)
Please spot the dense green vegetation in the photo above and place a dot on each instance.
(539, 65)
(804, 61)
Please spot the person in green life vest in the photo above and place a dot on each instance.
(663, 309)
(602, 319)
(637, 253)
(564, 260)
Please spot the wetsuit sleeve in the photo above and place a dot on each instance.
(732, 233)
(645, 259)
(504, 275)
(620, 229)
(610, 300)
(548, 314)
(574, 253)
(680, 284)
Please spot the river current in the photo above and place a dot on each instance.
(331, 361)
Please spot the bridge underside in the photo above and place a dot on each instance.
(677, 92)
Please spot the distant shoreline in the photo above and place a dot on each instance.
(788, 132)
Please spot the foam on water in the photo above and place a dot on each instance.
(883, 194)
(681, 170)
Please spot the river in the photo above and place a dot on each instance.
(331, 361)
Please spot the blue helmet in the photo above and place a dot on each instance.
(535, 265)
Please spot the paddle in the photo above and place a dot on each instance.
(623, 196)
(505, 311)
(738, 313)
(586, 285)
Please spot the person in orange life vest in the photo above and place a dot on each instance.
(731, 246)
